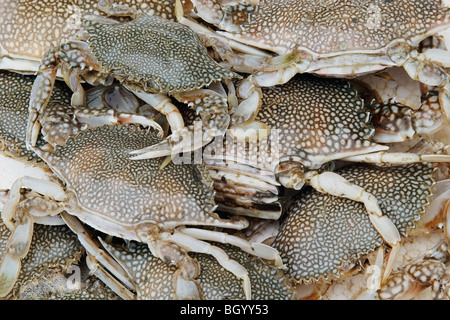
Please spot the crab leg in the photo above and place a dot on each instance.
(45, 80)
(107, 279)
(163, 104)
(395, 122)
(375, 277)
(429, 67)
(17, 247)
(94, 250)
(334, 184)
(22, 228)
(195, 245)
(257, 249)
(213, 109)
(185, 286)
(40, 94)
(397, 158)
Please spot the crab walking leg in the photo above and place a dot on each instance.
(45, 80)
(334, 184)
(17, 247)
(210, 35)
(384, 157)
(95, 251)
(213, 110)
(96, 269)
(163, 104)
(195, 245)
(257, 249)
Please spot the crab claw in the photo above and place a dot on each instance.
(183, 140)
(212, 108)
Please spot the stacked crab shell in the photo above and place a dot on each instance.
(100, 189)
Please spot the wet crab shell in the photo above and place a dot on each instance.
(318, 119)
(44, 276)
(28, 29)
(323, 233)
(15, 91)
(335, 27)
(162, 56)
(155, 279)
(120, 194)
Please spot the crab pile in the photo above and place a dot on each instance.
(217, 149)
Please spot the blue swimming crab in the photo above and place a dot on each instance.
(429, 270)
(322, 234)
(52, 269)
(274, 40)
(28, 29)
(310, 122)
(135, 200)
(151, 64)
(106, 105)
(156, 280)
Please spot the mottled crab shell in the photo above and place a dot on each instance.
(317, 120)
(29, 28)
(155, 54)
(15, 90)
(154, 279)
(45, 270)
(333, 27)
(115, 194)
(323, 233)
(267, 281)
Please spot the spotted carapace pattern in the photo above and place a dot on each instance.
(322, 233)
(96, 166)
(154, 53)
(317, 119)
(338, 26)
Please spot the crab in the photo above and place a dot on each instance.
(240, 189)
(15, 90)
(173, 62)
(323, 235)
(429, 269)
(54, 256)
(28, 29)
(304, 125)
(135, 200)
(156, 280)
(328, 38)
(396, 93)
(427, 235)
